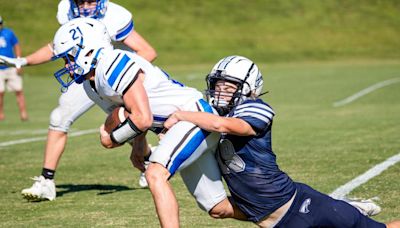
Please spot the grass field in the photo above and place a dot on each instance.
(315, 142)
(315, 53)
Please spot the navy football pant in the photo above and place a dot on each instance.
(311, 208)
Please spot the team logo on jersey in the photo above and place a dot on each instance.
(228, 159)
(304, 207)
(3, 43)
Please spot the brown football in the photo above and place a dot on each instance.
(117, 116)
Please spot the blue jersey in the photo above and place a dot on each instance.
(249, 166)
(7, 42)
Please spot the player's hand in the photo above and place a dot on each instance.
(13, 62)
(20, 72)
(172, 120)
(105, 139)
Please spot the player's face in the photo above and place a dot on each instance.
(87, 6)
(69, 64)
(224, 90)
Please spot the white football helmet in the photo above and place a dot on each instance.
(80, 43)
(97, 12)
(238, 70)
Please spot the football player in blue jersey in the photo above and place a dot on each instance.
(10, 77)
(264, 193)
(80, 97)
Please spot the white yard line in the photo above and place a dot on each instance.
(35, 139)
(345, 189)
(365, 92)
(24, 132)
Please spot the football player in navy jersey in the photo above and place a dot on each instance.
(264, 193)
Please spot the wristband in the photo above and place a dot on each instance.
(126, 131)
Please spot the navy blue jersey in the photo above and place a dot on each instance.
(249, 166)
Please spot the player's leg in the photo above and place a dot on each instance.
(314, 209)
(72, 105)
(2, 90)
(163, 196)
(203, 180)
(180, 147)
(2, 116)
(393, 224)
(21, 105)
(15, 84)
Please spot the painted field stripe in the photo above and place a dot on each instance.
(365, 92)
(29, 131)
(35, 139)
(343, 190)
(24, 132)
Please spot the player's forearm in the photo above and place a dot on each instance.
(206, 121)
(139, 144)
(137, 43)
(142, 120)
(215, 123)
(149, 54)
(40, 56)
(17, 50)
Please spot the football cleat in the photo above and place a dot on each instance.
(42, 189)
(366, 207)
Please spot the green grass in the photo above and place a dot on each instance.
(316, 143)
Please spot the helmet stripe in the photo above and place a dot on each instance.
(224, 63)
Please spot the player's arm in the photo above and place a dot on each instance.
(40, 56)
(17, 50)
(213, 123)
(18, 53)
(137, 103)
(138, 121)
(137, 43)
(139, 149)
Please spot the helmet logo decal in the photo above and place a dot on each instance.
(75, 36)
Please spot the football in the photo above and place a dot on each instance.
(117, 116)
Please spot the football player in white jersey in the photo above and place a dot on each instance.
(266, 195)
(150, 95)
(121, 29)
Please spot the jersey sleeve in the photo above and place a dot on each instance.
(121, 72)
(63, 12)
(118, 21)
(258, 115)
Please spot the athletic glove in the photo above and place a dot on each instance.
(13, 62)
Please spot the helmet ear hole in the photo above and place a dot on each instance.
(89, 53)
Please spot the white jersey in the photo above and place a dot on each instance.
(117, 19)
(116, 72)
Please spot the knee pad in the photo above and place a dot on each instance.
(60, 119)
